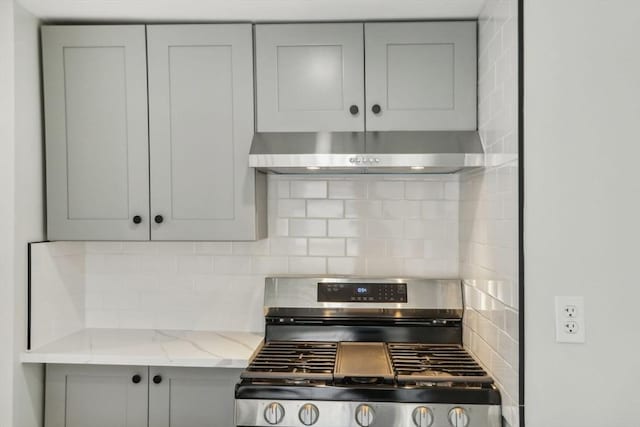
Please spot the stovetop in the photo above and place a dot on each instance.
(411, 365)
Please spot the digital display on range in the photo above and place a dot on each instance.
(362, 292)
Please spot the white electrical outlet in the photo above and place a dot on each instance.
(570, 319)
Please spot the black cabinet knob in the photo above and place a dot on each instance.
(158, 219)
(376, 109)
(137, 219)
(136, 379)
(157, 379)
(354, 109)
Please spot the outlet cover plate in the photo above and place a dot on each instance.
(570, 311)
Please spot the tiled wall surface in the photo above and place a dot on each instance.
(369, 225)
(57, 290)
(489, 209)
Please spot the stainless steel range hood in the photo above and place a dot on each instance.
(366, 152)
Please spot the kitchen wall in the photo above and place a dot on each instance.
(489, 209)
(7, 213)
(21, 210)
(384, 226)
(582, 209)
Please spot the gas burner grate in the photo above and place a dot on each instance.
(435, 363)
(293, 359)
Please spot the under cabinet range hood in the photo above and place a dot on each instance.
(389, 152)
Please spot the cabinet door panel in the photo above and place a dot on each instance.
(96, 132)
(96, 396)
(192, 397)
(422, 75)
(201, 125)
(308, 76)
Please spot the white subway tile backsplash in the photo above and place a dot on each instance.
(488, 201)
(422, 190)
(172, 248)
(386, 190)
(231, 265)
(213, 248)
(401, 209)
(308, 227)
(347, 228)
(385, 228)
(367, 247)
(278, 227)
(280, 190)
(436, 209)
(152, 264)
(347, 189)
(385, 266)
(288, 246)
(325, 208)
(363, 209)
(200, 264)
(406, 248)
(270, 265)
(307, 265)
(259, 247)
(292, 208)
(327, 247)
(304, 189)
(346, 265)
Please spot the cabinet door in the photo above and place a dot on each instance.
(96, 396)
(309, 76)
(201, 125)
(421, 75)
(192, 397)
(95, 102)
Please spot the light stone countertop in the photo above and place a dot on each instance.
(208, 349)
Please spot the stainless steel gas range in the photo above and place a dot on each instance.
(343, 352)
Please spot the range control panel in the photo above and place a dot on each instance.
(362, 292)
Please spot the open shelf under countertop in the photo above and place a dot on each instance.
(149, 347)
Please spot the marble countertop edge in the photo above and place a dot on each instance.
(168, 348)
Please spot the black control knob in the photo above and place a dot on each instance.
(376, 109)
(158, 219)
(136, 379)
(354, 110)
(157, 379)
(137, 219)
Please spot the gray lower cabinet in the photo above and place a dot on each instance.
(96, 396)
(170, 164)
(109, 396)
(192, 397)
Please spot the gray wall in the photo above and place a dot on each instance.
(21, 209)
(582, 208)
(6, 209)
(29, 206)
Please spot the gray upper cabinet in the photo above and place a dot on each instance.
(95, 102)
(179, 171)
(201, 125)
(192, 397)
(96, 396)
(310, 77)
(421, 75)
